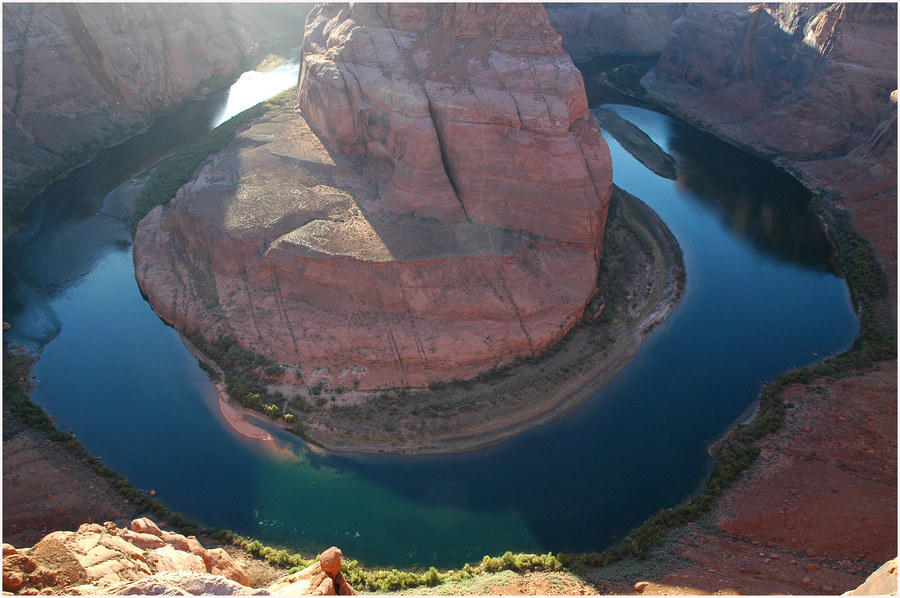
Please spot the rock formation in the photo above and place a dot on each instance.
(145, 560)
(882, 582)
(812, 85)
(78, 75)
(620, 28)
(437, 209)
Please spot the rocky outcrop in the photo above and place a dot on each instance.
(811, 85)
(322, 578)
(589, 29)
(145, 560)
(882, 582)
(477, 110)
(828, 70)
(103, 556)
(436, 210)
(77, 75)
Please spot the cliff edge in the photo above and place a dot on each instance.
(144, 560)
(435, 209)
(812, 86)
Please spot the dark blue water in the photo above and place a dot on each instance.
(761, 297)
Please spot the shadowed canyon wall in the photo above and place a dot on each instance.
(589, 29)
(77, 76)
(811, 85)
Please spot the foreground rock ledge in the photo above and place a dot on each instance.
(435, 210)
(146, 560)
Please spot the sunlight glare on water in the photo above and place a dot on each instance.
(253, 87)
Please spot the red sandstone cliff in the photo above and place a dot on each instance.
(78, 75)
(446, 219)
(621, 28)
(811, 85)
(144, 560)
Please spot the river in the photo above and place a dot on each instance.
(762, 296)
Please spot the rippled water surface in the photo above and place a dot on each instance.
(761, 297)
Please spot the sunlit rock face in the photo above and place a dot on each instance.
(435, 209)
(476, 108)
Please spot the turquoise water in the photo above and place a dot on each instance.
(761, 297)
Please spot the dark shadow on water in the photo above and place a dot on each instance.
(63, 233)
(756, 201)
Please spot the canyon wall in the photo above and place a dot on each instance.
(625, 28)
(813, 86)
(434, 210)
(76, 76)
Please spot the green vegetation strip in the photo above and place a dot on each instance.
(627, 78)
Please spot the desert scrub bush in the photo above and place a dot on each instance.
(628, 77)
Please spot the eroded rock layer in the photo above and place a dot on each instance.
(812, 85)
(144, 560)
(436, 208)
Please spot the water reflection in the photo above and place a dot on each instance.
(756, 202)
(576, 484)
(70, 227)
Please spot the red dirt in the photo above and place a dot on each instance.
(47, 489)
(815, 514)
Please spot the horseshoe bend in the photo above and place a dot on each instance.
(433, 207)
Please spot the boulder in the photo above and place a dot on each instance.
(101, 557)
(182, 583)
(331, 561)
(221, 563)
(144, 525)
(322, 578)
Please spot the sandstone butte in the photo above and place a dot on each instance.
(433, 208)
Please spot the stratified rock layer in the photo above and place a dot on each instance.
(446, 219)
(620, 28)
(812, 85)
